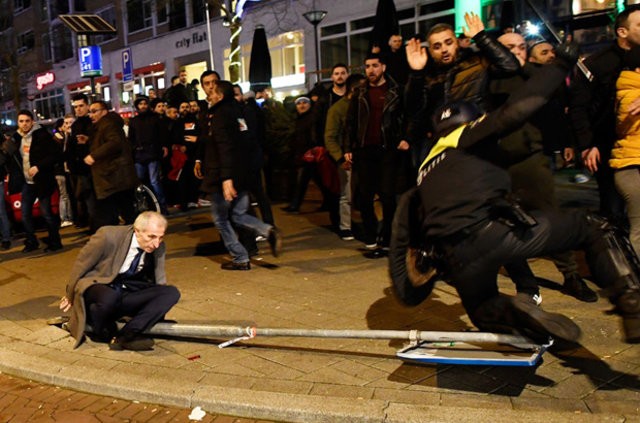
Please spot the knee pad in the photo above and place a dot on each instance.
(611, 257)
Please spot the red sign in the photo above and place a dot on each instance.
(44, 79)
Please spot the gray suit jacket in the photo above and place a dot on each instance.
(99, 262)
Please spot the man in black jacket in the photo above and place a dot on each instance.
(465, 213)
(148, 136)
(592, 110)
(452, 74)
(378, 151)
(34, 154)
(80, 173)
(223, 168)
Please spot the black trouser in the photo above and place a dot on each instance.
(118, 204)
(104, 304)
(474, 261)
(533, 184)
(376, 170)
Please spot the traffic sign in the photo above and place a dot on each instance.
(127, 65)
(90, 61)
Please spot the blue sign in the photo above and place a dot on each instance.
(127, 65)
(90, 61)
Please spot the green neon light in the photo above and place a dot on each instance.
(464, 6)
(620, 5)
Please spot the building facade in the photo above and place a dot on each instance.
(39, 66)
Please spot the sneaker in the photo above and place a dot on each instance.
(576, 287)
(192, 205)
(204, 203)
(66, 223)
(260, 238)
(581, 178)
(346, 235)
(371, 246)
(533, 298)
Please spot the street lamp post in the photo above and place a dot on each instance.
(314, 17)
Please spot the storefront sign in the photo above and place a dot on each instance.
(196, 38)
(44, 79)
(90, 61)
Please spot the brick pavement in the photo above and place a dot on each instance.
(319, 282)
(28, 401)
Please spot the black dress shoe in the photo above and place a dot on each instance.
(131, 343)
(6, 245)
(30, 247)
(290, 209)
(576, 287)
(53, 247)
(231, 265)
(275, 241)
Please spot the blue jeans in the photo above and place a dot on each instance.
(154, 170)
(222, 211)
(28, 198)
(5, 225)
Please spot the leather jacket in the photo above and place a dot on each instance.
(392, 118)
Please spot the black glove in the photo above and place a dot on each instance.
(567, 54)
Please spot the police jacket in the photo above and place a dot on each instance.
(458, 185)
(467, 79)
(392, 127)
(592, 104)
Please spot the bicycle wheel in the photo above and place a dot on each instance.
(146, 200)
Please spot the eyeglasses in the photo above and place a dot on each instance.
(95, 110)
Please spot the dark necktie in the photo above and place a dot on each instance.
(134, 264)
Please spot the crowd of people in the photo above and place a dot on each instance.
(414, 121)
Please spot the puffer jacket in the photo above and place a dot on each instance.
(626, 150)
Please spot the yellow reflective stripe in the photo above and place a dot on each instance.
(450, 141)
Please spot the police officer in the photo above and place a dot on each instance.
(466, 214)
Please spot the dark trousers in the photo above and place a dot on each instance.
(612, 204)
(117, 204)
(105, 304)
(53, 223)
(376, 170)
(84, 199)
(474, 261)
(533, 184)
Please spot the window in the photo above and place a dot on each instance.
(139, 14)
(43, 10)
(26, 41)
(177, 15)
(62, 43)
(50, 105)
(109, 15)
(198, 11)
(58, 7)
(20, 5)
(348, 42)
(46, 47)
